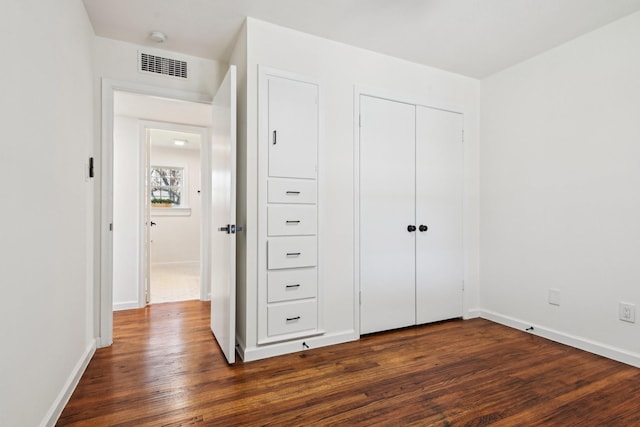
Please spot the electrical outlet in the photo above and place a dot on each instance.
(627, 312)
(554, 296)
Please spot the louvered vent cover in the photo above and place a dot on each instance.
(159, 65)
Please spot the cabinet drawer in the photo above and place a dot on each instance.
(292, 317)
(291, 252)
(291, 191)
(284, 220)
(287, 285)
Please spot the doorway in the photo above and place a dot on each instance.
(196, 110)
(174, 191)
(157, 249)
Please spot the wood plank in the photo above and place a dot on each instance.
(165, 369)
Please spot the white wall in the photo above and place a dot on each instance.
(339, 67)
(119, 60)
(177, 238)
(126, 212)
(559, 186)
(46, 309)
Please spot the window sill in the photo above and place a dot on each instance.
(170, 211)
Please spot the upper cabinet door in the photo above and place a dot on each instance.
(293, 129)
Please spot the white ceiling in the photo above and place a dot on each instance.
(475, 38)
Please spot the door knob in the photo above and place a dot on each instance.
(152, 223)
(423, 227)
(411, 228)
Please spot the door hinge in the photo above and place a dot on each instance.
(359, 120)
(360, 297)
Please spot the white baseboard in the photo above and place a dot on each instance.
(55, 411)
(174, 262)
(472, 313)
(278, 349)
(581, 343)
(127, 305)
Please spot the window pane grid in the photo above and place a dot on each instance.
(166, 185)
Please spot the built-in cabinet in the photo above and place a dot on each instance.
(288, 289)
(410, 214)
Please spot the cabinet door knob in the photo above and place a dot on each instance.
(423, 227)
(411, 228)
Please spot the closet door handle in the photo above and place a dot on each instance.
(423, 227)
(411, 228)
(275, 137)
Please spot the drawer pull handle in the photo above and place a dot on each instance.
(293, 192)
(290, 319)
(293, 253)
(293, 222)
(293, 286)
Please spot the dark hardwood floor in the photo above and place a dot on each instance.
(165, 369)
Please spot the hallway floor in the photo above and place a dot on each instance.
(171, 282)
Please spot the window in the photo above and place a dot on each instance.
(167, 186)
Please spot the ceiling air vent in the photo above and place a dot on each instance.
(159, 65)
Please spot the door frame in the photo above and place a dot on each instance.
(205, 202)
(359, 90)
(103, 290)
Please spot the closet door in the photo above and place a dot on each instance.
(439, 253)
(387, 193)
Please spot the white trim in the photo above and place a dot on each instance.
(472, 313)
(128, 305)
(581, 343)
(195, 261)
(278, 349)
(170, 212)
(404, 98)
(356, 209)
(104, 287)
(70, 385)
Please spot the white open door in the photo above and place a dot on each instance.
(147, 219)
(223, 251)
